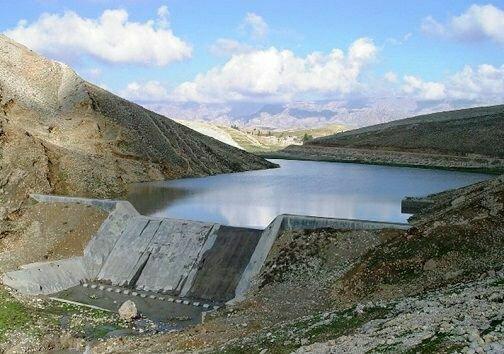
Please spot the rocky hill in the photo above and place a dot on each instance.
(61, 134)
(468, 131)
(471, 139)
(258, 140)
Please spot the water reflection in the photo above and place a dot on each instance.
(299, 187)
(153, 198)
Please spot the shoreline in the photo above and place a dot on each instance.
(286, 155)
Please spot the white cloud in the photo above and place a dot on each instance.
(432, 27)
(256, 24)
(227, 46)
(483, 84)
(479, 22)
(112, 38)
(390, 77)
(428, 91)
(400, 41)
(148, 91)
(253, 25)
(91, 73)
(279, 75)
(163, 16)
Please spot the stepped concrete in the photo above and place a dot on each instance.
(189, 261)
(174, 251)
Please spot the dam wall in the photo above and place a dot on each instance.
(47, 278)
(105, 204)
(413, 205)
(188, 260)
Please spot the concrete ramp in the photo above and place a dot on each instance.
(222, 266)
(124, 260)
(47, 278)
(172, 253)
(99, 248)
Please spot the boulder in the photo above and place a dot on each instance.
(128, 311)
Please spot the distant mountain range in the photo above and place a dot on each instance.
(353, 113)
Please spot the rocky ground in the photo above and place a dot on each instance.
(48, 232)
(465, 318)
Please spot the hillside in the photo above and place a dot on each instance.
(258, 140)
(466, 139)
(469, 131)
(61, 134)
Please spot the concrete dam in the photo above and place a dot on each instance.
(173, 266)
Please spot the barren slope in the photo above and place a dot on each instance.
(62, 134)
(469, 139)
(469, 131)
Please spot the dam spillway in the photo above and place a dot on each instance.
(183, 262)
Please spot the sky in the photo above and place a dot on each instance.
(270, 50)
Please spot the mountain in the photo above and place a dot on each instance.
(354, 113)
(470, 139)
(61, 134)
(468, 131)
(258, 140)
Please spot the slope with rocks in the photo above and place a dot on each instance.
(465, 139)
(260, 140)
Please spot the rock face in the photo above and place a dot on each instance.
(128, 311)
(61, 134)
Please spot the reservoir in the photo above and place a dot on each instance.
(329, 189)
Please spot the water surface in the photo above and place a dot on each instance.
(253, 199)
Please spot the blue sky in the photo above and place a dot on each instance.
(417, 39)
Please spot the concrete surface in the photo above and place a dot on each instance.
(222, 266)
(413, 205)
(47, 278)
(155, 306)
